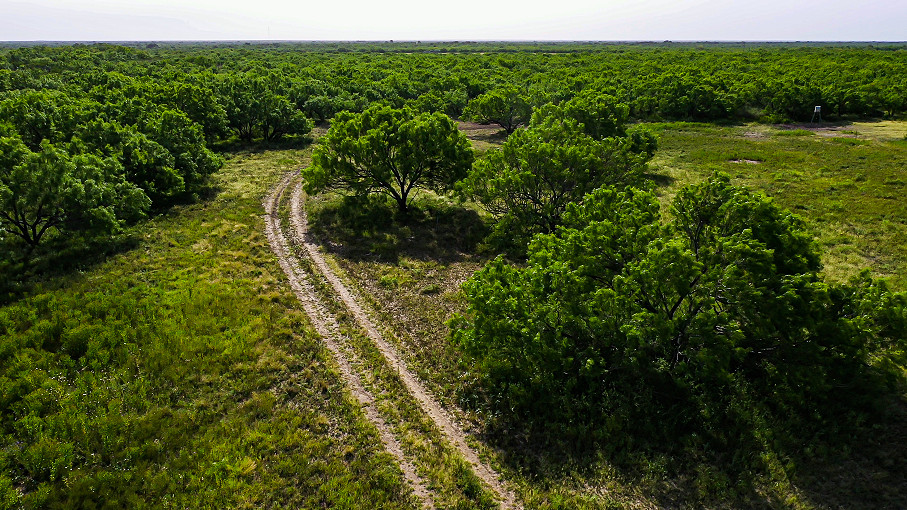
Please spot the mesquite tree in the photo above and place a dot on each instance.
(389, 151)
(565, 152)
(620, 325)
(507, 107)
(50, 191)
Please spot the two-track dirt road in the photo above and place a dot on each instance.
(326, 325)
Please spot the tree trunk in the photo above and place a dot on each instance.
(402, 206)
(403, 203)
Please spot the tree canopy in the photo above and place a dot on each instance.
(49, 191)
(565, 152)
(507, 107)
(654, 332)
(389, 151)
(255, 106)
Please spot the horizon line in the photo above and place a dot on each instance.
(457, 41)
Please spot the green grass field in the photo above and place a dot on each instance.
(183, 374)
(848, 181)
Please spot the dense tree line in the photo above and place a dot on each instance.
(661, 82)
(149, 137)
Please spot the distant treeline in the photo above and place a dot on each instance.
(699, 81)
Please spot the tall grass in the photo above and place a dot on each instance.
(182, 374)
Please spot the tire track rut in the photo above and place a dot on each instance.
(430, 406)
(326, 326)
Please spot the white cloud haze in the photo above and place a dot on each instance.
(736, 20)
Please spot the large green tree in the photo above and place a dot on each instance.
(199, 103)
(49, 191)
(555, 161)
(621, 327)
(146, 163)
(280, 117)
(600, 115)
(185, 141)
(255, 107)
(506, 106)
(390, 151)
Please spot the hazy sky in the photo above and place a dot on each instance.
(143, 20)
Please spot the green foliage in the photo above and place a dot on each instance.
(254, 107)
(507, 107)
(531, 180)
(41, 115)
(788, 100)
(601, 115)
(146, 163)
(280, 117)
(117, 141)
(185, 141)
(161, 149)
(240, 96)
(448, 102)
(689, 95)
(324, 107)
(657, 81)
(49, 191)
(199, 103)
(389, 151)
(621, 330)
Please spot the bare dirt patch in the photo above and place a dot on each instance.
(482, 136)
(476, 128)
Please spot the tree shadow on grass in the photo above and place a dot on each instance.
(235, 144)
(61, 255)
(56, 258)
(866, 470)
(862, 465)
(660, 180)
(370, 229)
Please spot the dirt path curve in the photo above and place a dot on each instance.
(327, 327)
(430, 406)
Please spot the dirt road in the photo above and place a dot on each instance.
(430, 406)
(327, 328)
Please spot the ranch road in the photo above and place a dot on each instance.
(328, 329)
(326, 325)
